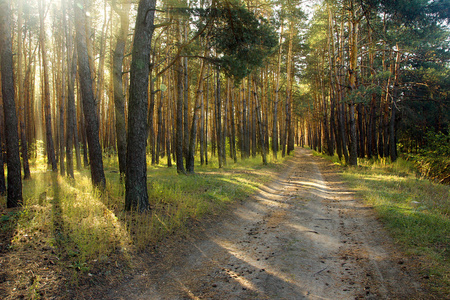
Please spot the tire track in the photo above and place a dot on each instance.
(304, 236)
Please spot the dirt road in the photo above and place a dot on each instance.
(304, 236)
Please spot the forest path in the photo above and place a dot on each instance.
(304, 236)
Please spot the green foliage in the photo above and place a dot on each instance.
(432, 160)
(363, 94)
(437, 144)
(241, 40)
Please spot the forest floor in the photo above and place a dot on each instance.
(305, 235)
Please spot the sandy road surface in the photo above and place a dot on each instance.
(304, 236)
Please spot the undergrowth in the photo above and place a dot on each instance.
(85, 225)
(415, 210)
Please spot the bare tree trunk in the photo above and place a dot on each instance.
(244, 139)
(254, 130)
(89, 107)
(62, 100)
(224, 131)
(136, 196)
(170, 127)
(22, 92)
(206, 115)
(14, 178)
(353, 27)
(260, 126)
(233, 128)
(185, 108)
(219, 120)
(71, 113)
(275, 138)
(392, 131)
(47, 109)
(119, 97)
(179, 121)
(202, 129)
(160, 134)
(193, 135)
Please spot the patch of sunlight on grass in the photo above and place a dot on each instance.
(84, 224)
(71, 217)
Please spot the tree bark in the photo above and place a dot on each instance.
(14, 178)
(392, 131)
(21, 93)
(71, 113)
(179, 120)
(260, 127)
(160, 134)
(151, 119)
(233, 127)
(219, 120)
(185, 107)
(287, 146)
(89, 107)
(136, 196)
(275, 138)
(119, 97)
(193, 135)
(47, 108)
(353, 27)
(62, 100)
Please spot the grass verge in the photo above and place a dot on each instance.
(416, 212)
(69, 224)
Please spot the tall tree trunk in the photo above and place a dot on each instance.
(185, 106)
(326, 132)
(89, 107)
(353, 27)
(206, 115)
(76, 134)
(151, 117)
(224, 131)
(136, 196)
(287, 135)
(47, 108)
(100, 72)
(193, 135)
(219, 120)
(260, 126)
(245, 146)
(254, 130)
(392, 131)
(275, 138)
(14, 178)
(62, 100)
(371, 132)
(233, 128)
(71, 113)
(22, 93)
(119, 97)
(160, 136)
(170, 126)
(362, 134)
(179, 121)
(202, 128)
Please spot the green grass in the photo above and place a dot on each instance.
(84, 225)
(416, 211)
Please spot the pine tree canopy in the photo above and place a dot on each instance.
(240, 39)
